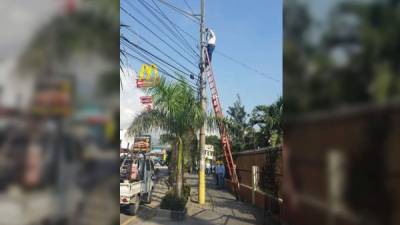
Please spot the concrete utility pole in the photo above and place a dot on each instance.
(203, 96)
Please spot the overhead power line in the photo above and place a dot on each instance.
(175, 27)
(246, 66)
(161, 39)
(181, 11)
(158, 49)
(152, 55)
(164, 72)
(158, 28)
(190, 8)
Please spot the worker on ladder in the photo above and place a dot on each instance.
(211, 39)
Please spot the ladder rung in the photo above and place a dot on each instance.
(226, 147)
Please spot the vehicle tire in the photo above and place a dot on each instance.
(148, 196)
(134, 207)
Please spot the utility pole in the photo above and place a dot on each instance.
(203, 98)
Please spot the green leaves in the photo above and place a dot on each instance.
(261, 128)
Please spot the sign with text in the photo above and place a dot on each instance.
(142, 143)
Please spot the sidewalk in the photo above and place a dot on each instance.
(221, 208)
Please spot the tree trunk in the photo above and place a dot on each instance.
(179, 168)
(172, 167)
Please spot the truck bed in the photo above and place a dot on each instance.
(127, 190)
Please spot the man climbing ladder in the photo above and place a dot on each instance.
(226, 145)
(211, 40)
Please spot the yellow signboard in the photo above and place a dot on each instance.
(148, 76)
(148, 69)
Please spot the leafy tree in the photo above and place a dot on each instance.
(261, 128)
(355, 60)
(177, 111)
(237, 123)
(268, 119)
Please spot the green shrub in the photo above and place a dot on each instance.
(171, 202)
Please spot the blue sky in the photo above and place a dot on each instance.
(249, 31)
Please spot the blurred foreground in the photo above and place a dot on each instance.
(341, 126)
(59, 112)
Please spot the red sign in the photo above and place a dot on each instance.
(146, 100)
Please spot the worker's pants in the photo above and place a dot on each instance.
(210, 50)
(221, 180)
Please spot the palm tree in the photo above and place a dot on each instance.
(177, 111)
(268, 118)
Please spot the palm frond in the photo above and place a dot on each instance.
(146, 121)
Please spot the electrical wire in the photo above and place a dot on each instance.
(152, 55)
(172, 24)
(181, 11)
(134, 48)
(246, 66)
(162, 52)
(190, 8)
(164, 72)
(225, 55)
(134, 18)
(178, 44)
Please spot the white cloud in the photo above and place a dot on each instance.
(130, 105)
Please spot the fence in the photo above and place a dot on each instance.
(260, 177)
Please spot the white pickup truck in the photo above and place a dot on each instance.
(132, 193)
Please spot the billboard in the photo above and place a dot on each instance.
(53, 97)
(142, 143)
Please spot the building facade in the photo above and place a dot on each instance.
(210, 153)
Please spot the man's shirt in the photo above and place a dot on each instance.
(211, 38)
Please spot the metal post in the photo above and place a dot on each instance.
(203, 97)
(254, 183)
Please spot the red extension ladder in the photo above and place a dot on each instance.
(226, 146)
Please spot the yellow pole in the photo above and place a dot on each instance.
(202, 187)
(202, 178)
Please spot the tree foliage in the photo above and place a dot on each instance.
(176, 111)
(237, 123)
(353, 60)
(261, 128)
